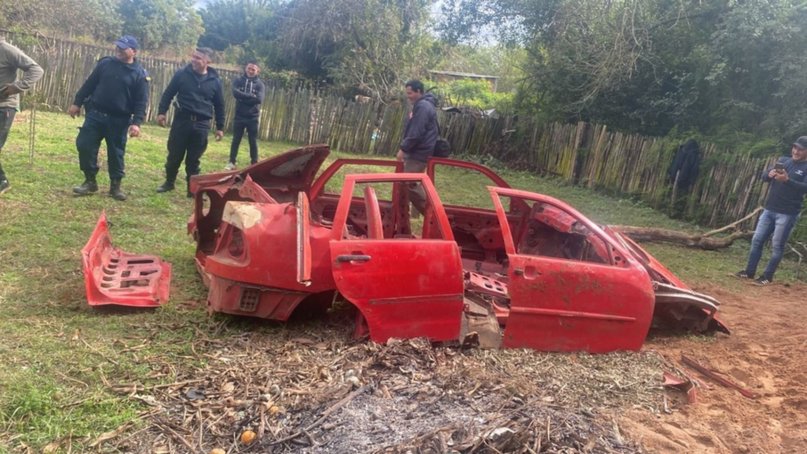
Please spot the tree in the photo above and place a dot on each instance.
(93, 20)
(161, 24)
(370, 46)
(718, 68)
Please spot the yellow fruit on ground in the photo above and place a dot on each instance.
(217, 451)
(247, 437)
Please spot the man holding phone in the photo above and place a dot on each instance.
(788, 180)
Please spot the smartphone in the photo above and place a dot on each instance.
(779, 167)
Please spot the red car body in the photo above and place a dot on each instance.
(527, 270)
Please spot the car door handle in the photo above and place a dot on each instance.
(527, 273)
(353, 258)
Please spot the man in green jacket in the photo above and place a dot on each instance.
(11, 60)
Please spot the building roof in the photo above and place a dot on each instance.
(459, 74)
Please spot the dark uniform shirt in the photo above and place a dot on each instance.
(197, 94)
(116, 88)
(787, 198)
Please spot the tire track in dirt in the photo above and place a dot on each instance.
(765, 354)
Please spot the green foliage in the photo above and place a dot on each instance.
(475, 93)
(504, 62)
(718, 68)
(370, 46)
(245, 29)
(88, 20)
(161, 24)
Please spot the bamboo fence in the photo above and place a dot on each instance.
(591, 155)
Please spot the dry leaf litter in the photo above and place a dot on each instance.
(305, 390)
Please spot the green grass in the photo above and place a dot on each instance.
(58, 353)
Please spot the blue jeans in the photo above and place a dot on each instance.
(6, 119)
(778, 226)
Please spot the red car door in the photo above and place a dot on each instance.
(571, 286)
(404, 285)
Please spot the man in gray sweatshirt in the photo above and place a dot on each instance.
(12, 60)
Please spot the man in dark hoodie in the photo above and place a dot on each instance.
(114, 97)
(788, 181)
(248, 91)
(198, 91)
(420, 135)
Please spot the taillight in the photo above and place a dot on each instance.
(235, 246)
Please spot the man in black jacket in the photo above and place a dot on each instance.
(248, 91)
(198, 91)
(420, 135)
(114, 97)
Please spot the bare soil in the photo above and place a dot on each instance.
(765, 354)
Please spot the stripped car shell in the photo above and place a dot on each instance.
(525, 270)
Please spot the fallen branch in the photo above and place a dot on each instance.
(673, 236)
(703, 241)
(711, 374)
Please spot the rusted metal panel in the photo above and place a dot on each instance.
(114, 277)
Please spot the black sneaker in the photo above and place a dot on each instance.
(4, 186)
(762, 280)
(742, 275)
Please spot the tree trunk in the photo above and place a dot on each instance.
(676, 237)
(702, 241)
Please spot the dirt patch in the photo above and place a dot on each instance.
(765, 354)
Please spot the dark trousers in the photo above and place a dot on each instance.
(251, 125)
(417, 195)
(99, 126)
(187, 140)
(6, 119)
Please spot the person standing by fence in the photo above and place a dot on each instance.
(198, 91)
(420, 135)
(12, 60)
(249, 92)
(114, 97)
(788, 180)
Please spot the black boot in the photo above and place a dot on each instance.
(88, 187)
(168, 185)
(115, 192)
(189, 194)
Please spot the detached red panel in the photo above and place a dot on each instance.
(112, 276)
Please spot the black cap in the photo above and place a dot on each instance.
(126, 42)
(801, 142)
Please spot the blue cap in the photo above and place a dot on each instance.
(127, 42)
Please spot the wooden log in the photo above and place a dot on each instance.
(685, 239)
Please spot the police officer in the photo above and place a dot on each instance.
(198, 91)
(114, 97)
